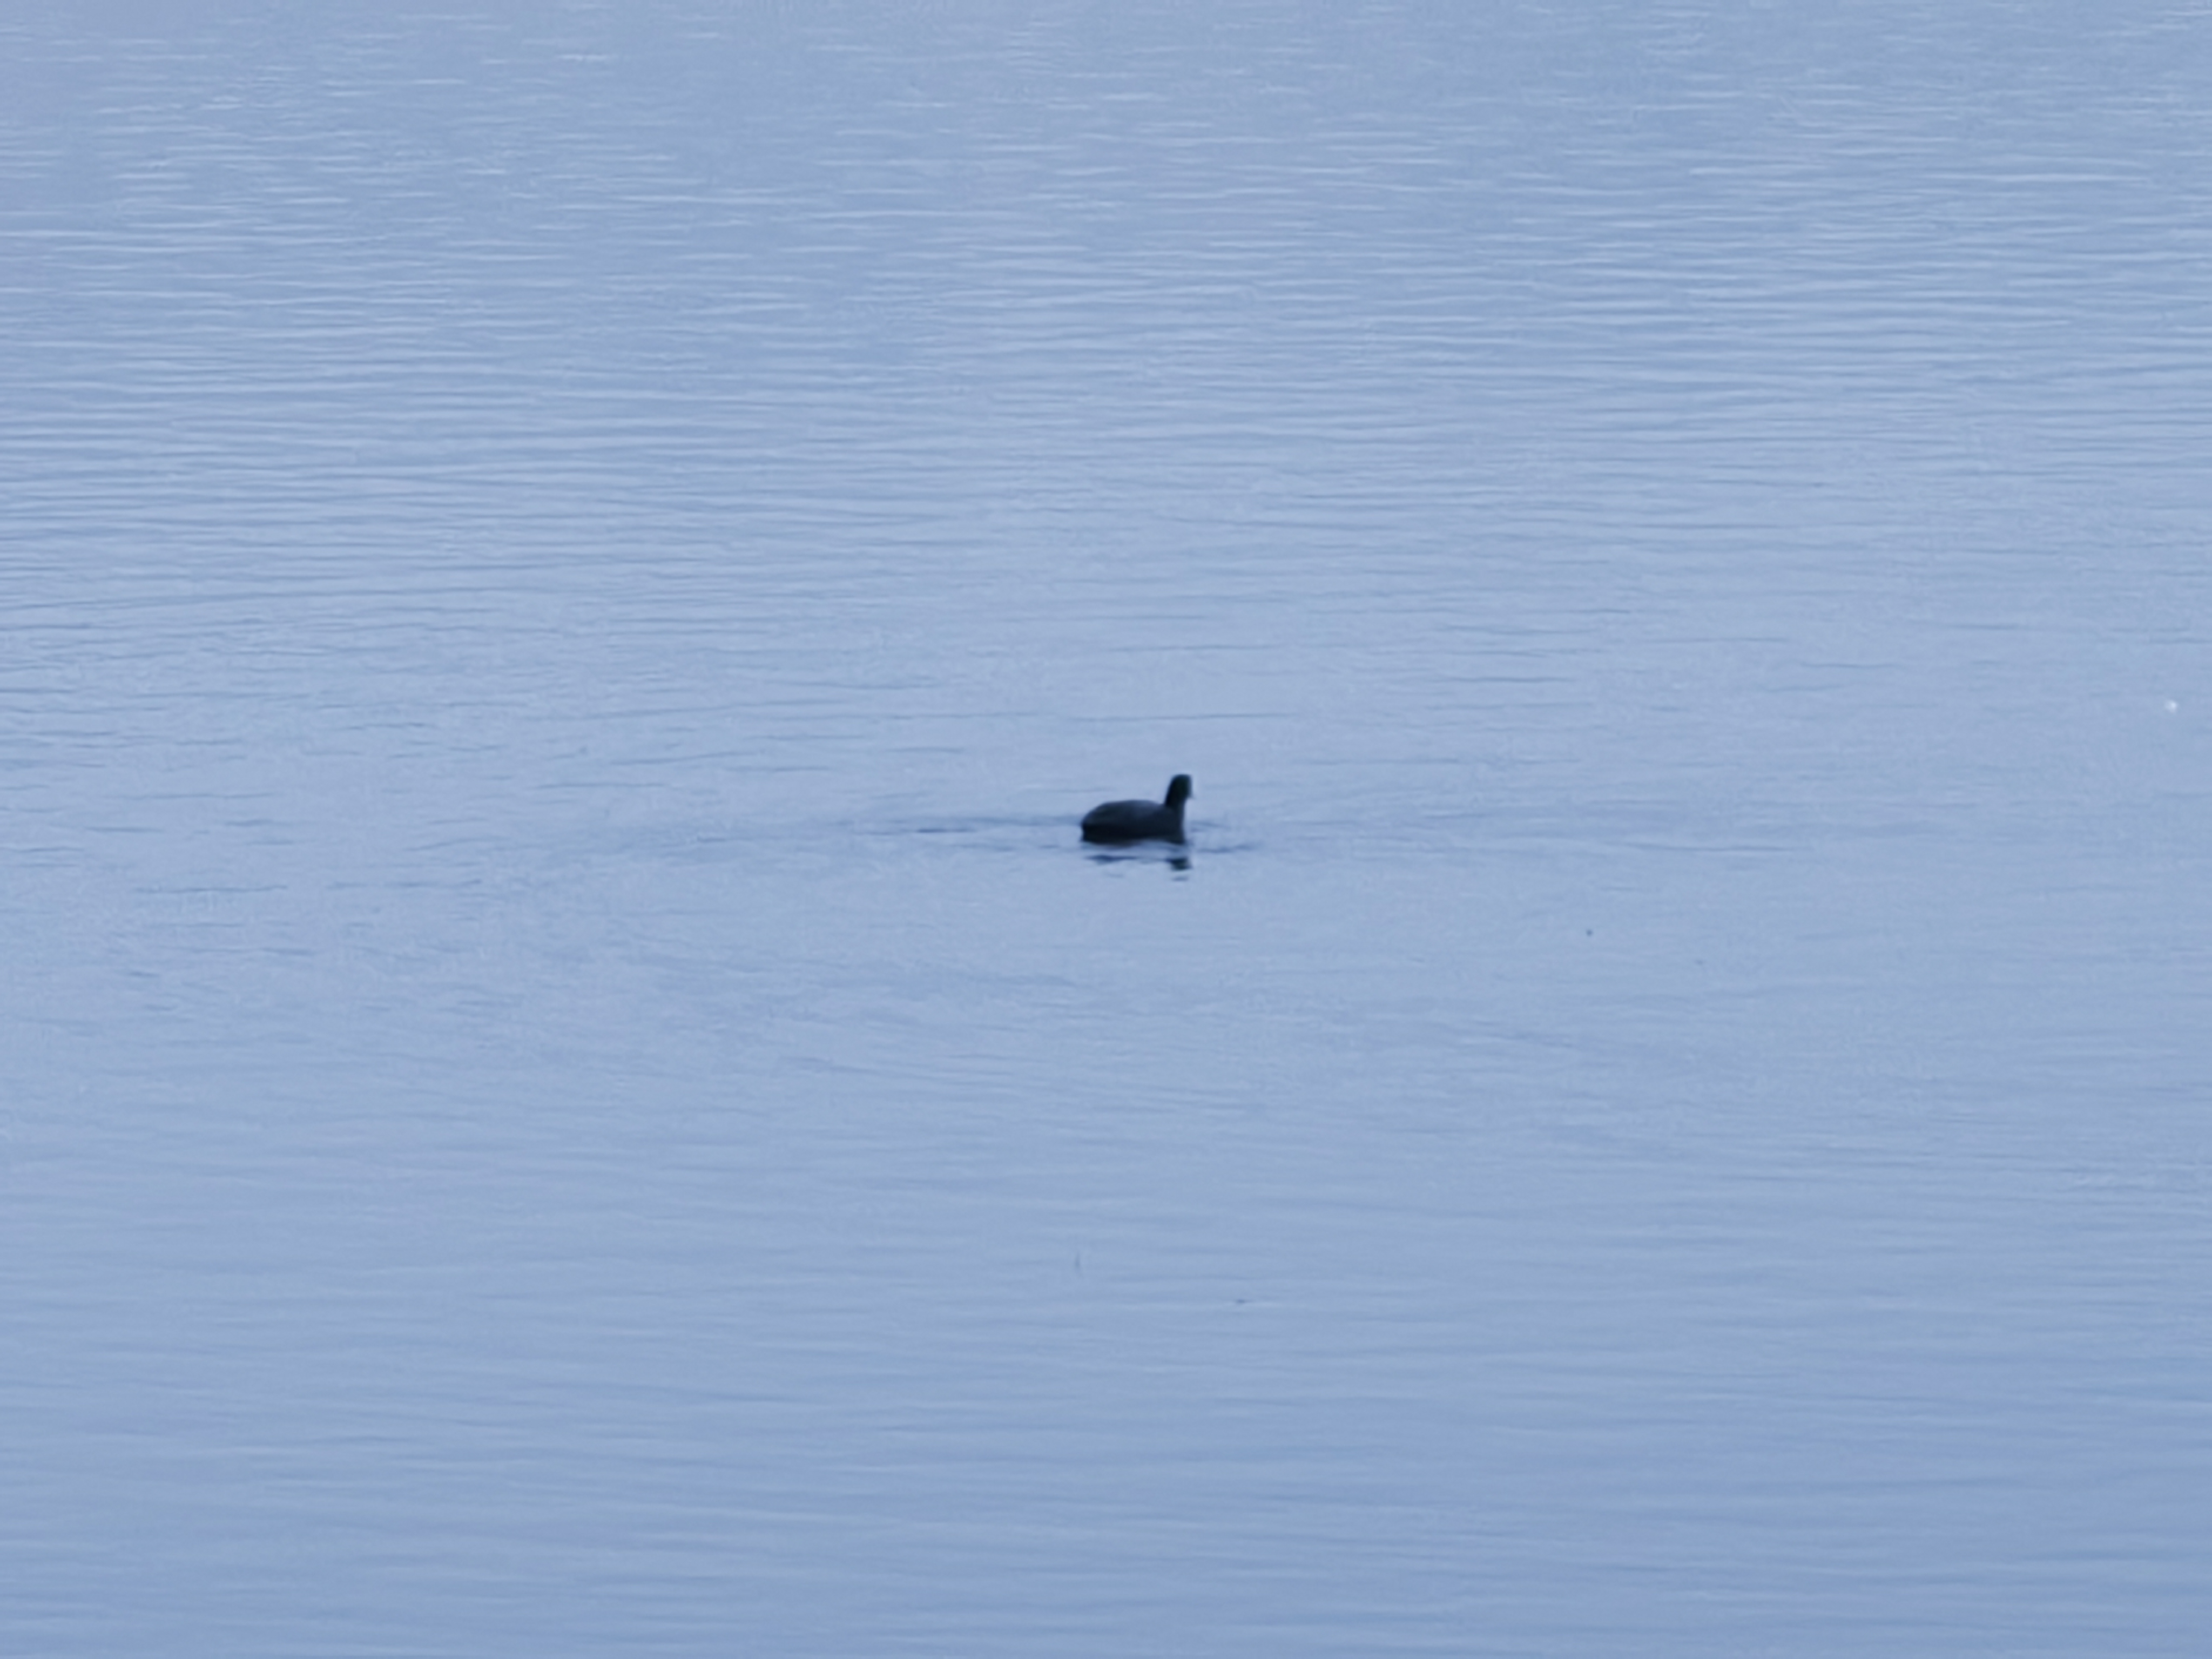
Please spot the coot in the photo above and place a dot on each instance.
(1139, 820)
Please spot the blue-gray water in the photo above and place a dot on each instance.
(567, 1088)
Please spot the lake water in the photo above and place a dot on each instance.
(567, 1088)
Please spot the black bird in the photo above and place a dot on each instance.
(1139, 820)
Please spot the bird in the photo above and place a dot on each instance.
(1139, 820)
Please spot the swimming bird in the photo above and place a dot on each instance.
(1139, 820)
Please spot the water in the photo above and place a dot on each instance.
(568, 1089)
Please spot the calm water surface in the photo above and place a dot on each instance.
(568, 1089)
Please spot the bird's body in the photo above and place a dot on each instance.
(1119, 821)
